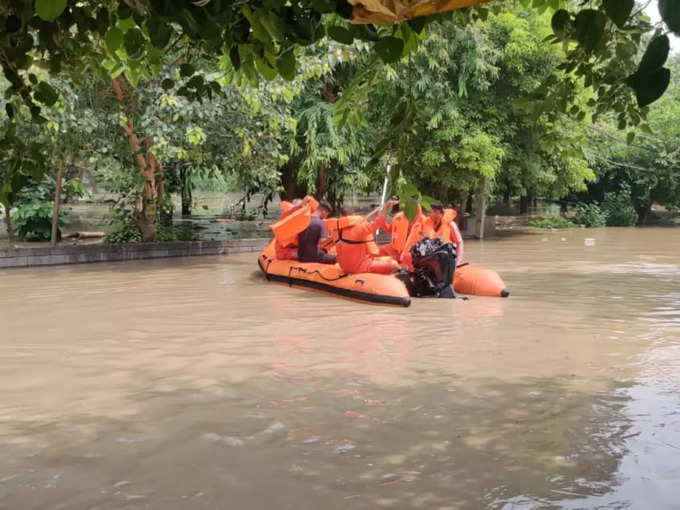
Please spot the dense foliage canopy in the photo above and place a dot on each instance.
(146, 97)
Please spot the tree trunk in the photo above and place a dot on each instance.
(468, 203)
(187, 197)
(643, 214)
(506, 197)
(291, 188)
(524, 204)
(148, 208)
(186, 202)
(8, 223)
(57, 200)
(320, 183)
(480, 213)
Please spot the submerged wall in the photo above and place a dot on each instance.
(80, 254)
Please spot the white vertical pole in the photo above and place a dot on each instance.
(384, 193)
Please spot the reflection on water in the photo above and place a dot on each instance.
(193, 383)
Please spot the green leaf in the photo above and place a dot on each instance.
(655, 55)
(409, 191)
(646, 129)
(411, 209)
(113, 39)
(560, 23)
(235, 57)
(410, 39)
(135, 44)
(9, 109)
(589, 25)
(167, 84)
(340, 34)
(426, 201)
(618, 10)
(124, 11)
(670, 14)
(649, 86)
(273, 25)
(49, 10)
(418, 24)
(46, 94)
(389, 49)
(630, 137)
(365, 32)
(159, 32)
(286, 65)
(264, 69)
(323, 6)
(343, 8)
(186, 70)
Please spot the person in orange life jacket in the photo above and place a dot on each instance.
(288, 208)
(440, 222)
(414, 233)
(315, 233)
(399, 229)
(353, 247)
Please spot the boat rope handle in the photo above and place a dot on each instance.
(304, 270)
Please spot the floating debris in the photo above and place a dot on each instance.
(343, 448)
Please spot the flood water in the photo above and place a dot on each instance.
(194, 383)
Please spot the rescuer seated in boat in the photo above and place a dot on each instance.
(354, 241)
(440, 222)
(314, 235)
(289, 252)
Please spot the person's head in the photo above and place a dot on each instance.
(324, 210)
(436, 213)
(395, 207)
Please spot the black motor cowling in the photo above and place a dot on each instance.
(434, 262)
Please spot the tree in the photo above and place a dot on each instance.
(601, 40)
(463, 113)
(647, 166)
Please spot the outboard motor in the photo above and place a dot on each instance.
(434, 263)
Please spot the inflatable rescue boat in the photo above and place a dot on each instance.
(371, 287)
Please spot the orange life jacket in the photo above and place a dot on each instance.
(293, 220)
(444, 230)
(355, 242)
(415, 234)
(399, 230)
(335, 226)
(285, 205)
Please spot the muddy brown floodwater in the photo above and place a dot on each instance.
(193, 383)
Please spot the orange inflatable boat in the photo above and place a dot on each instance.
(478, 281)
(375, 288)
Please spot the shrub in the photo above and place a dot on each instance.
(619, 208)
(33, 222)
(124, 231)
(176, 233)
(552, 221)
(590, 215)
